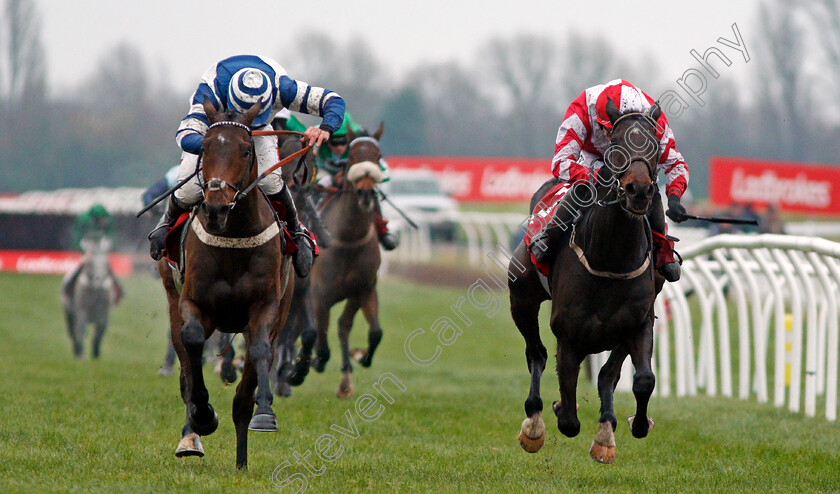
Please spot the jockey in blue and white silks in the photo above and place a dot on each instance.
(226, 92)
(236, 83)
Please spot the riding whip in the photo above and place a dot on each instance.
(407, 219)
(168, 192)
(717, 219)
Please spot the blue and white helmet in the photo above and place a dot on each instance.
(247, 86)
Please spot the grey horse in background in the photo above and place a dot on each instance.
(93, 292)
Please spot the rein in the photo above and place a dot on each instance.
(217, 184)
(616, 189)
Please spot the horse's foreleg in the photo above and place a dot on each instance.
(345, 324)
(228, 371)
(260, 354)
(603, 447)
(202, 418)
(243, 408)
(568, 368)
(641, 350)
(370, 309)
(308, 335)
(190, 444)
(79, 329)
(97, 337)
(322, 348)
(525, 312)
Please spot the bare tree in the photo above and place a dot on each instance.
(348, 68)
(22, 69)
(784, 96)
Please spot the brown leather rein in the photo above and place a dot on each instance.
(287, 159)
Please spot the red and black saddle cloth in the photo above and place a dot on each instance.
(540, 217)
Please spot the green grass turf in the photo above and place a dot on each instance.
(113, 424)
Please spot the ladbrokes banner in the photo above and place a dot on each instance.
(481, 179)
(792, 186)
(55, 262)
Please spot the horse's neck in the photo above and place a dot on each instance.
(349, 220)
(613, 241)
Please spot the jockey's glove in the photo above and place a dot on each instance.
(676, 211)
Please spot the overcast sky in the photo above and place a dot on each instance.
(186, 37)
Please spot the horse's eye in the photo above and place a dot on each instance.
(246, 154)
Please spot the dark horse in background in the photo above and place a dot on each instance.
(602, 291)
(301, 319)
(347, 270)
(236, 280)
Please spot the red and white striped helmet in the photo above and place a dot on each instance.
(625, 96)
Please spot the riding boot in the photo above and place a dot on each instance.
(157, 237)
(663, 246)
(663, 254)
(388, 240)
(302, 259)
(565, 213)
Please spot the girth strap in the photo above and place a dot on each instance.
(607, 274)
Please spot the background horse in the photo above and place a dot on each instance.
(602, 295)
(92, 296)
(237, 280)
(347, 270)
(301, 319)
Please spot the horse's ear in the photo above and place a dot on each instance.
(252, 112)
(376, 135)
(351, 136)
(612, 111)
(655, 111)
(209, 109)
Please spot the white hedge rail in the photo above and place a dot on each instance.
(789, 282)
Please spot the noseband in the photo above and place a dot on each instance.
(215, 183)
(615, 188)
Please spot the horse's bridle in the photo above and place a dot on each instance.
(215, 183)
(615, 188)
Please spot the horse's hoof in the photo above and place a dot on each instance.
(318, 364)
(556, 407)
(165, 371)
(532, 434)
(207, 428)
(190, 445)
(603, 447)
(602, 453)
(345, 387)
(283, 389)
(263, 422)
(228, 373)
(642, 434)
(361, 356)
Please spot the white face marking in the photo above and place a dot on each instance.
(221, 139)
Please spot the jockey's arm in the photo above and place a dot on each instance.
(193, 126)
(676, 171)
(573, 132)
(300, 97)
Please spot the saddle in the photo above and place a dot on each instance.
(543, 213)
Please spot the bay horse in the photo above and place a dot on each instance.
(347, 270)
(236, 280)
(603, 287)
(93, 294)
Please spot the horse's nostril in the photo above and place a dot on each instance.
(630, 188)
(651, 189)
